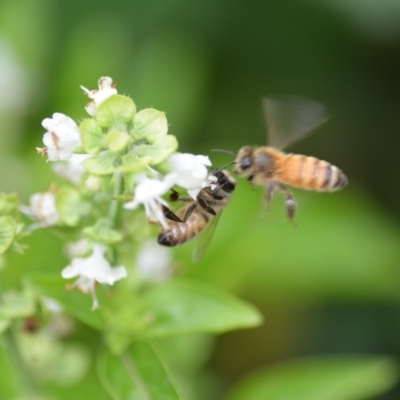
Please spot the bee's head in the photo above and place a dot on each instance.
(224, 180)
(243, 161)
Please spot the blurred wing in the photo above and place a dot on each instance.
(204, 239)
(290, 118)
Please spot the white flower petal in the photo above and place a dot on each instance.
(62, 137)
(106, 90)
(92, 269)
(72, 168)
(191, 171)
(148, 192)
(42, 208)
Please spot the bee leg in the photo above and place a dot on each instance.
(291, 204)
(206, 207)
(170, 214)
(173, 217)
(174, 196)
(268, 194)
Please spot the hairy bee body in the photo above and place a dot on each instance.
(180, 232)
(265, 164)
(288, 118)
(198, 215)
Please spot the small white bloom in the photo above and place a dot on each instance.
(97, 96)
(148, 192)
(75, 249)
(154, 262)
(92, 269)
(71, 169)
(43, 209)
(62, 137)
(191, 171)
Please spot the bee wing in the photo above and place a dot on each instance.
(290, 118)
(204, 239)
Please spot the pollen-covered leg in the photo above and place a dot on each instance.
(290, 202)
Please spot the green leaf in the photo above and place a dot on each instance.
(103, 164)
(138, 374)
(69, 205)
(102, 232)
(185, 306)
(92, 136)
(7, 232)
(317, 378)
(16, 305)
(115, 111)
(150, 125)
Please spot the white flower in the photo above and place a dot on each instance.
(75, 249)
(43, 209)
(106, 90)
(148, 192)
(92, 269)
(71, 169)
(61, 139)
(154, 262)
(191, 171)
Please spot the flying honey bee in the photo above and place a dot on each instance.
(199, 217)
(288, 119)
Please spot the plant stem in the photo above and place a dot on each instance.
(114, 204)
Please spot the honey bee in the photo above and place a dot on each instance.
(288, 119)
(199, 217)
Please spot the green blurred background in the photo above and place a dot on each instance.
(331, 285)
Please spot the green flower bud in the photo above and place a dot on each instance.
(115, 110)
(92, 136)
(117, 141)
(149, 125)
(70, 206)
(103, 164)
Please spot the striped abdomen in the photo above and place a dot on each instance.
(181, 232)
(311, 173)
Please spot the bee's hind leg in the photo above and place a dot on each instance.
(290, 202)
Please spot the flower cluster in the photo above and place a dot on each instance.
(115, 143)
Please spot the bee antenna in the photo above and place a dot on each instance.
(225, 151)
(225, 166)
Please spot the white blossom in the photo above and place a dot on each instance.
(92, 269)
(190, 172)
(75, 249)
(148, 192)
(97, 96)
(42, 208)
(72, 168)
(62, 137)
(154, 262)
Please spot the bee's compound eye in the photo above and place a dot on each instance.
(245, 163)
